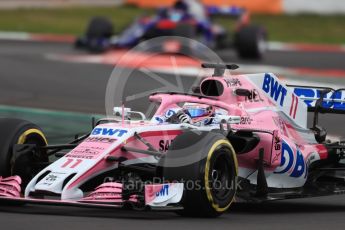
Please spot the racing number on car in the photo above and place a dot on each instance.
(72, 163)
(277, 143)
(294, 106)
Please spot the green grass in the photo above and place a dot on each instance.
(305, 28)
(299, 28)
(65, 20)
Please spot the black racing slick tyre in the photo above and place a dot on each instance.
(98, 35)
(251, 42)
(15, 131)
(99, 27)
(206, 163)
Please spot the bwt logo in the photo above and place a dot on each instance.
(274, 89)
(109, 132)
(292, 162)
(164, 191)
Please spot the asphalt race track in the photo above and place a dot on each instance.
(316, 213)
(28, 79)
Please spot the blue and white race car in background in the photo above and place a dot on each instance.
(185, 18)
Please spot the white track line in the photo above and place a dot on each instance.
(19, 36)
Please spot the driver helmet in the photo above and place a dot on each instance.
(198, 111)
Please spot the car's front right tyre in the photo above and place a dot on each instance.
(206, 163)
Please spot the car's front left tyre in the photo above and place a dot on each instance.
(13, 132)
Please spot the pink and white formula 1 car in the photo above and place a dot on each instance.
(243, 137)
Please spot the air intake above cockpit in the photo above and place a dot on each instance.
(219, 69)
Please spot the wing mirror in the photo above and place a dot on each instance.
(128, 114)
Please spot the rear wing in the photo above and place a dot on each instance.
(321, 99)
(283, 97)
(229, 11)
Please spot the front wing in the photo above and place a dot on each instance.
(107, 195)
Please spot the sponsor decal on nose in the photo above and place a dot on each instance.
(109, 132)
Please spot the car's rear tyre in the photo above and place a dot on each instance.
(251, 42)
(206, 163)
(100, 27)
(15, 131)
(97, 36)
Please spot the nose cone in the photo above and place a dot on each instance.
(54, 182)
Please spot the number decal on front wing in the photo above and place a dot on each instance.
(72, 163)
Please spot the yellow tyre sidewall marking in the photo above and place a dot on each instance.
(23, 137)
(207, 168)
